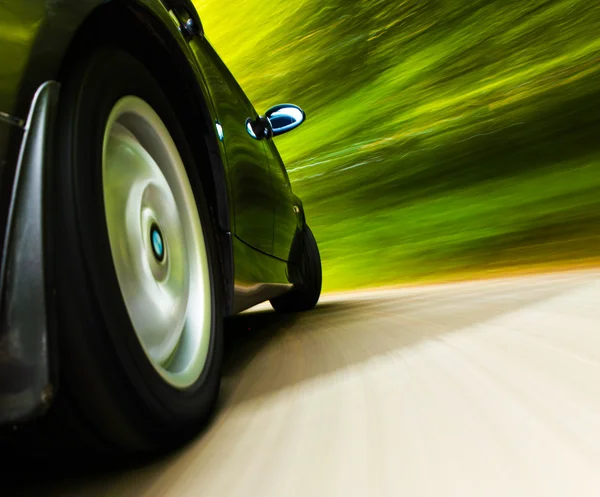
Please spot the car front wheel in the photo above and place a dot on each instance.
(135, 268)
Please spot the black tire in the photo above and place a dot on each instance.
(110, 397)
(305, 295)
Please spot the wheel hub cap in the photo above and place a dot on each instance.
(158, 247)
(156, 242)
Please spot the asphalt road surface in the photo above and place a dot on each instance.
(487, 388)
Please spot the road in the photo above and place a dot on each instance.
(488, 388)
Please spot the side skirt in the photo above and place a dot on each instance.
(258, 276)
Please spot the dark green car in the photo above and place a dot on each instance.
(142, 202)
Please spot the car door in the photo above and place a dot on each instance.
(286, 213)
(248, 167)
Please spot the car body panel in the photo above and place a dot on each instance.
(248, 170)
(286, 219)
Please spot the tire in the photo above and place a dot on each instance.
(305, 295)
(131, 381)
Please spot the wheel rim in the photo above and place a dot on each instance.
(156, 241)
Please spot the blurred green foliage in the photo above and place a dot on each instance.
(443, 137)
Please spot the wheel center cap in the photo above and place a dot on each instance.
(158, 245)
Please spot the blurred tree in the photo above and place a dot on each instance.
(460, 135)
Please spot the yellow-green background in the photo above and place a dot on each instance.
(443, 137)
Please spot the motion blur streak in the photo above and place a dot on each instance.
(443, 138)
(481, 388)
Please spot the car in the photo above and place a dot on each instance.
(143, 201)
